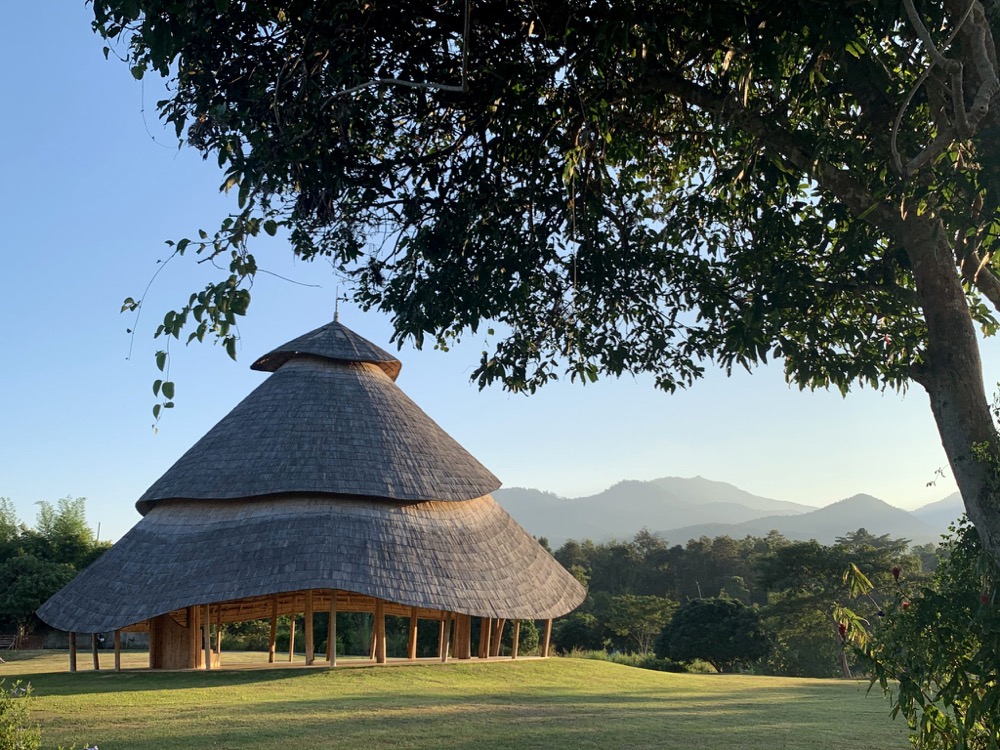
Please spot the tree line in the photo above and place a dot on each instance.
(777, 604)
(793, 597)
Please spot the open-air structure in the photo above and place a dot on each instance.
(325, 489)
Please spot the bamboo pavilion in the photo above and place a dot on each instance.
(325, 489)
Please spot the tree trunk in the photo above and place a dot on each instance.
(952, 376)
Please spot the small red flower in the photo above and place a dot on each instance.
(842, 629)
(895, 572)
(906, 604)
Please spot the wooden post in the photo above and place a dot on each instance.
(485, 631)
(193, 615)
(93, 648)
(371, 645)
(206, 634)
(218, 632)
(72, 652)
(291, 637)
(517, 637)
(546, 639)
(331, 631)
(497, 637)
(411, 640)
(463, 645)
(274, 629)
(379, 631)
(445, 636)
(118, 651)
(310, 642)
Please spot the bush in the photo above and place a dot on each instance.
(723, 632)
(642, 661)
(16, 732)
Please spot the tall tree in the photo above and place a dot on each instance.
(622, 187)
(723, 632)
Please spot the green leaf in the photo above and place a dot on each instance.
(168, 390)
(271, 227)
(161, 360)
(156, 387)
(156, 411)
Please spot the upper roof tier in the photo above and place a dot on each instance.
(335, 342)
(329, 424)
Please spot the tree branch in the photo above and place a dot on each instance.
(977, 272)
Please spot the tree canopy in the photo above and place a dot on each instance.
(36, 563)
(723, 632)
(615, 188)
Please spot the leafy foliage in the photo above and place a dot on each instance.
(639, 619)
(799, 589)
(936, 649)
(16, 730)
(810, 596)
(723, 632)
(625, 189)
(35, 563)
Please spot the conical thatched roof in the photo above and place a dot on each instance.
(335, 342)
(322, 424)
(325, 477)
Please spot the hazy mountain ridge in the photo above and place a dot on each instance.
(684, 508)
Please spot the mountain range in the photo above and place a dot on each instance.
(680, 509)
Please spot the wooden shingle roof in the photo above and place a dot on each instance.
(468, 557)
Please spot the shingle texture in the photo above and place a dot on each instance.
(335, 342)
(321, 426)
(467, 557)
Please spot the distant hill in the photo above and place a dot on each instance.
(685, 508)
(825, 524)
(621, 510)
(943, 512)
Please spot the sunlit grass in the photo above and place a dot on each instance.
(555, 703)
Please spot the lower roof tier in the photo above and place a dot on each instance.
(468, 557)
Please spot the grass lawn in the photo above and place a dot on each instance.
(550, 704)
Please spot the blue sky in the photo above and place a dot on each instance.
(92, 188)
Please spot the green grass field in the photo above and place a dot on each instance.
(554, 703)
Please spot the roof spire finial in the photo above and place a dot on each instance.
(336, 306)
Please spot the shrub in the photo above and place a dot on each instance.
(723, 632)
(16, 731)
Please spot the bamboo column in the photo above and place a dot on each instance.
(546, 639)
(411, 640)
(274, 629)
(516, 638)
(444, 634)
(374, 639)
(118, 651)
(331, 631)
(379, 631)
(463, 644)
(72, 652)
(93, 648)
(310, 642)
(291, 637)
(218, 631)
(193, 618)
(497, 637)
(485, 629)
(206, 634)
